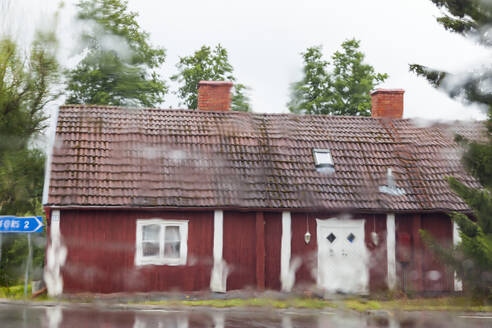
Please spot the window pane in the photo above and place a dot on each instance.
(323, 158)
(172, 234)
(151, 232)
(150, 239)
(172, 242)
(150, 248)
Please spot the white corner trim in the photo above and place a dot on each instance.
(218, 234)
(55, 257)
(285, 253)
(161, 260)
(55, 225)
(218, 277)
(391, 250)
(458, 284)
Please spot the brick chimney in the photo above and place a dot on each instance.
(214, 95)
(387, 103)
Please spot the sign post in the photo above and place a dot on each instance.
(28, 264)
(14, 224)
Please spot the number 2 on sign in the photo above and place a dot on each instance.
(26, 224)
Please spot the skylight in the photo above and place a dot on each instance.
(323, 160)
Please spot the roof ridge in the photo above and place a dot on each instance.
(202, 112)
(118, 107)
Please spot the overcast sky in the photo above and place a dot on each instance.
(265, 39)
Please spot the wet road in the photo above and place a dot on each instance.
(74, 316)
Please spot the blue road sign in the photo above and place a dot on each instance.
(21, 224)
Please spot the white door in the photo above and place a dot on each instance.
(342, 256)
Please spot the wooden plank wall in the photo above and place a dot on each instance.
(306, 253)
(273, 239)
(377, 261)
(423, 268)
(441, 228)
(101, 252)
(240, 249)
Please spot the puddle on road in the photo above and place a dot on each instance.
(15, 316)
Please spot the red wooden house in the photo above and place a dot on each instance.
(210, 199)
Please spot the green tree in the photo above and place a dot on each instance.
(14, 257)
(26, 87)
(472, 258)
(342, 90)
(120, 66)
(208, 65)
(309, 94)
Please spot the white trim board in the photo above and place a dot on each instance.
(56, 255)
(218, 277)
(391, 250)
(286, 279)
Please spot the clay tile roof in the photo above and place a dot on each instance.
(109, 156)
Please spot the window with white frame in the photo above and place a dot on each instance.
(161, 242)
(323, 161)
(322, 157)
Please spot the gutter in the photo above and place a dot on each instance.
(250, 209)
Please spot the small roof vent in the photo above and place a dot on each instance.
(390, 188)
(323, 161)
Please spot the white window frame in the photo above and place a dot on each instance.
(160, 259)
(319, 154)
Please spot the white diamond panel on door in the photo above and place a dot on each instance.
(342, 256)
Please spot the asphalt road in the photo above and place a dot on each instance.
(76, 315)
